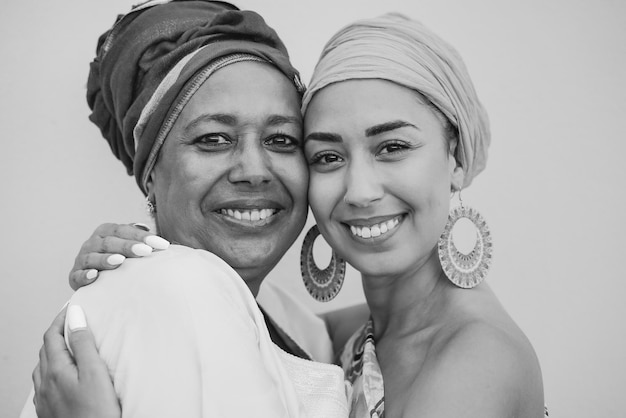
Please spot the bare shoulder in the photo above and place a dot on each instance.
(479, 369)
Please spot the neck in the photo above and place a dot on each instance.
(408, 301)
(253, 278)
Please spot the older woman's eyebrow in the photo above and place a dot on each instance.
(323, 136)
(223, 118)
(388, 126)
(231, 120)
(275, 120)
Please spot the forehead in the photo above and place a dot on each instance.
(246, 89)
(363, 103)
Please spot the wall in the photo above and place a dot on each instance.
(550, 74)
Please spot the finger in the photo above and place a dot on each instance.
(99, 261)
(87, 267)
(35, 398)
(36, 375)
(141, 226)
(124, 246)
(137, 232)
(42, 365)
(80, 278)
(55, 352)
(82, 342)
(50, 338)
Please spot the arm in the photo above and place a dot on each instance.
(72, 386)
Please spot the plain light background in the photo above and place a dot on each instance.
(551, 75)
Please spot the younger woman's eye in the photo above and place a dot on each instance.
(394, 149)
(325, 158)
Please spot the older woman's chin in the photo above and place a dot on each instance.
(252, 249)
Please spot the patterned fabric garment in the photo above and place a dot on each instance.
(363, 378)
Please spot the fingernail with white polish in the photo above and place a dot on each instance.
(141, 226)
(92, 274)
(76, 318)
(157, 242)
(141, 250)
(116, 259)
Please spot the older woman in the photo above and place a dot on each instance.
(393, 126)
(200, 103)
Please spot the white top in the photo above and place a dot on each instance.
(182, 335)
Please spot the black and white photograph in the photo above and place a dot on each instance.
(333, 209)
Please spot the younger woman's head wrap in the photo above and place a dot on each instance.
(395, 48)
(156, 57)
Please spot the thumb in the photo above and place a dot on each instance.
(80, 340)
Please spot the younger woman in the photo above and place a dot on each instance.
(393, 127)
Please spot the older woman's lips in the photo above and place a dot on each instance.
(251, 215)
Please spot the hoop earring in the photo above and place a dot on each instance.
(150, 207)
(322, 285)
(465, 270)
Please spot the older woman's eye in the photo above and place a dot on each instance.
(213, 141)
(282, 143)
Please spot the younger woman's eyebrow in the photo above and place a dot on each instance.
(388, 126)
(323, 136)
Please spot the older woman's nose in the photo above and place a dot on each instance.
(363, 186)
(251, 165)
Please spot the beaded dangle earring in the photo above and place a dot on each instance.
(322, 285)
(465, 269)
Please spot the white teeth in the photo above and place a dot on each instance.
(374, 230)
(248, 215)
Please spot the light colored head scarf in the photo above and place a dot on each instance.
(395, 48)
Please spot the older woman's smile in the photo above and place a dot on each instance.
(248, 215)
(251, 212)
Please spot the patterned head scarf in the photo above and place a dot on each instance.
(151, 62)
(395, 48)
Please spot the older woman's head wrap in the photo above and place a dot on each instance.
(156, 57)
(395, 48)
